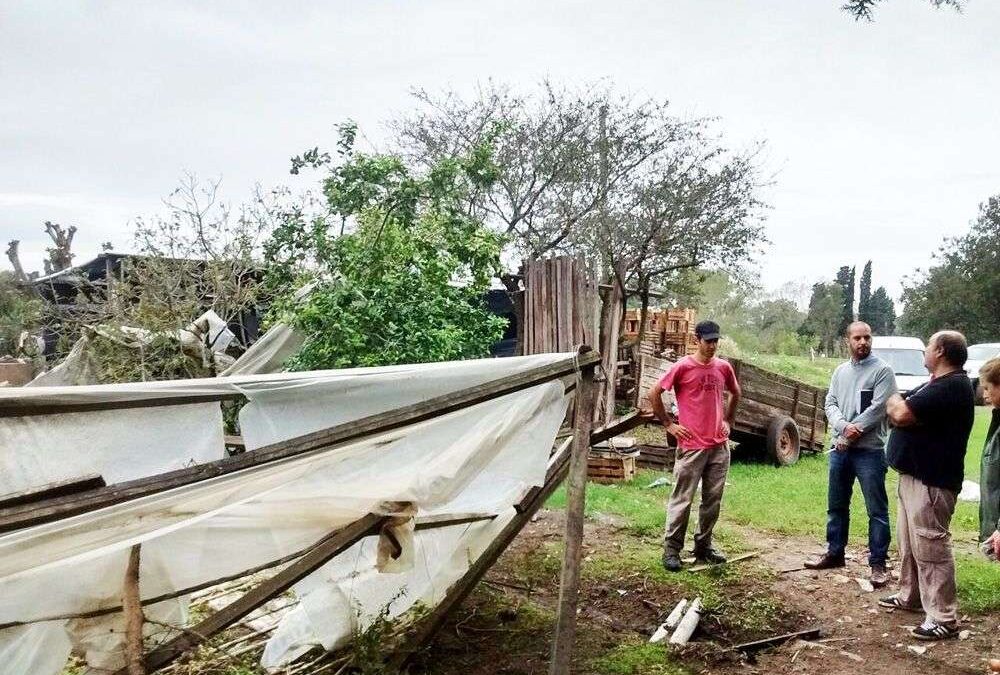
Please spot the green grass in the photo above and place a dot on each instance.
(790, 500)
(816, 372)
(639, 658)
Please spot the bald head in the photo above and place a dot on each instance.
(857, 326)
(859, 340)
(949, 346)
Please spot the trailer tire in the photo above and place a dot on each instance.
(783, 441)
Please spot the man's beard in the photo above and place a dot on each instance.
(863, 352)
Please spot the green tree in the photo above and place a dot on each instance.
(399, 264)
(882, 315)
(845, 279)
(865, 294)
(825, 316)
(20, 310)
(961, 289)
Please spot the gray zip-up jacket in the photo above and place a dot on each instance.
(843, 400)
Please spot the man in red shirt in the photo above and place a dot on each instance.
(702, 432)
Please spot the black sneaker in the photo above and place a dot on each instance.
(893, 602)
(931, 631)
(672, 562)
(712, 556)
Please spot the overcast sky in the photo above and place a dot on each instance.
(883, 136)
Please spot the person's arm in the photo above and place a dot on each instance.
(884, 387)
(832, 407)
(655, 398)
(735, 394)
(899, 412)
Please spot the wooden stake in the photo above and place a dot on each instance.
(534, 500)
(132, 608)
(267, 590)
(576, 488)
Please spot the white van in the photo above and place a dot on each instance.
(906, 357)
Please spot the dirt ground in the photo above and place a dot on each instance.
(506, 625)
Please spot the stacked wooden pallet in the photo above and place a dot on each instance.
(666, 330)
(611, 466)
(659, 457)
(678, 331)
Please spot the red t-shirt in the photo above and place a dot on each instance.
(699, 390)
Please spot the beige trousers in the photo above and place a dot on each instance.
(926, 564)
(710, 467)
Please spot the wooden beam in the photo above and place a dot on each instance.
(24, 407)
(54, 489)
(132, 608)
(266, 591)
(422, 523)
(526, 509)
(619, 426)
(812, 430)
(576, 490)
(18, 517)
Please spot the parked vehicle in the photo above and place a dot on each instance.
(905, 355)
(978, 355)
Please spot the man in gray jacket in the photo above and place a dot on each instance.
(855, 408)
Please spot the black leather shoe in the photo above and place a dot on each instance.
(712, 556)
(827, 562)
(672, 562)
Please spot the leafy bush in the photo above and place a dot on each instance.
(399, 264)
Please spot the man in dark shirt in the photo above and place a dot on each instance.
(927, 447)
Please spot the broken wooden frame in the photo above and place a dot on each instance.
(569, 458)
(20, 516)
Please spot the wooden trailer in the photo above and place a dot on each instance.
(778, 414)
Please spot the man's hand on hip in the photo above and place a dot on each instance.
(679, 432)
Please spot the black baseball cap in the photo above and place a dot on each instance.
(707, 330)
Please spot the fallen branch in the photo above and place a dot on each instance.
(708, 566)
(776, 640)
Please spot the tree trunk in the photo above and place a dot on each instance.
(15, 260)
(643, 314)
(611, 320)
(512, 282)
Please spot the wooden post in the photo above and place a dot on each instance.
(812, 431)
(132, 609)
(610, 321)
(576, 489)
(264, 592)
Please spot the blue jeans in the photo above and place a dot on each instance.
(869, 467)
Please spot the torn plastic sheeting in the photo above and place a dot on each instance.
(43, 449)
(479, 459)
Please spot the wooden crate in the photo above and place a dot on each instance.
(611, 467)
(657, 457)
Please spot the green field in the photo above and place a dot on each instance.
(816, 371)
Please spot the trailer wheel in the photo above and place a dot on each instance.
(783, 441)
